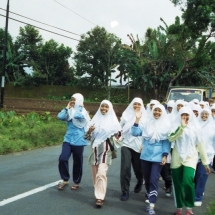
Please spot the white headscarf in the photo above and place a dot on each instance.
(105, 125)
(79, 102)
(213, 107)
(186, 103)
(174, 112)
(170, 103)
(148, 110)
(202, 103)
(196, 108)
(195, 101)
(208, 133)
(191, 136)
(155, 130)
(128, 119)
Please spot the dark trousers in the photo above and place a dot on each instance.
(151, 172)
(200, 180)
(129, 158)
(63, 166)
(166, 175)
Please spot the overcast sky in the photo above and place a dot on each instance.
(80, 16)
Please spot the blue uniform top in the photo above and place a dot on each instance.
(74, 135)
(153, 152)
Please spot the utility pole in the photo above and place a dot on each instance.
(4, 58)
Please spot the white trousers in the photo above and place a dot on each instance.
(99, 173)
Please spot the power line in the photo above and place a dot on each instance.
(74, 12)
(78, 14)
(41, 28)
(41, 22)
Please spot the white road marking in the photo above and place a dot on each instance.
(31, 192)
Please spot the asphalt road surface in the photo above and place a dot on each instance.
(28, 187)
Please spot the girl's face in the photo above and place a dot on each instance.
(169, 109)
(196, 113)
(157, 113)
(104, 108)
(213, 112)
(151, 106)
(202, 106)
(179, 106)
(185, 116)
(204, 115)
(136, 106)
(72, 103)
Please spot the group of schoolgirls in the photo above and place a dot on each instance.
(145, 137)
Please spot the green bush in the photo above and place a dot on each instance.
(97, 95)
(211, 208)
(29, 131)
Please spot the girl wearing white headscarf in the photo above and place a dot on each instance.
(103, 126)
(131, 148)
(177, 106)
(186, 133)
(156, 147)
(150, 106)
(195, 101)
(207, 105)
(196, 109)
(208, 136)
(213, 112)
(202, 104)
(77, 119)
(170, 105)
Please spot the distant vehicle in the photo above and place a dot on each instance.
(190, 93)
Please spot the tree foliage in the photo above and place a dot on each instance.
(53, 63)
(96, 56)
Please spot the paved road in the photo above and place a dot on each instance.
(25, 171)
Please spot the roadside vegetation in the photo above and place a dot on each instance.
(211, 208)
(30, 131)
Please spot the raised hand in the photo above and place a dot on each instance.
(69, 105)
(138, 114)
(184, 121)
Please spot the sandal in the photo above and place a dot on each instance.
(75, 187)
(151, 212)
(99, 202)
(178, 212)
(62, 185)
(189, 213)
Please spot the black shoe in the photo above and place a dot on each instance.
(168, 192)
(124, 196)
(138, 186)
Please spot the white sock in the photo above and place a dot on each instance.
(151, 205)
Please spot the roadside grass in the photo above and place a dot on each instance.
(27, 132)
(211, 208)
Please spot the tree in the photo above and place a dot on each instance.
(53, 63)
(96, 56)
(28, 43)
(174, 56)
(14, 72)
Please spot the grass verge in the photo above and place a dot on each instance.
(211, 208)
(27, 132)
